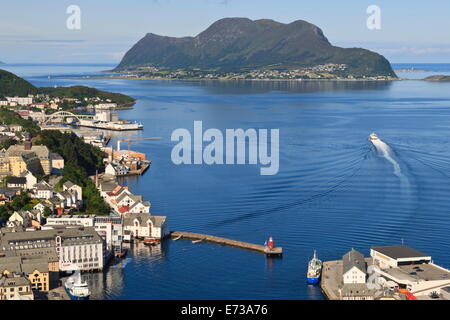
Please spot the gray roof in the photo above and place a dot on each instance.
(41, 152)
(42, 239)
(400, 251)
(143, 218)
(13, 281)
(356, 289)
(68, 184)
(43, 186)
(352, 259)
(17, 180)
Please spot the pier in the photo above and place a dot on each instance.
(277, 251)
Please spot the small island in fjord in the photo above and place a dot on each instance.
(240, 48)
(438, 78)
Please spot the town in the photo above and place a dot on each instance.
(58, 213)
(328, 71)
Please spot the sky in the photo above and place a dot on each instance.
(37, 32)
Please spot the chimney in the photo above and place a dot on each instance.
(27, 145)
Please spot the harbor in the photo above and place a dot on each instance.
(197, 237)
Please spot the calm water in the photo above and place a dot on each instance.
(334, 190)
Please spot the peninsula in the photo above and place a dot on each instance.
(240, 48)
(438, 78)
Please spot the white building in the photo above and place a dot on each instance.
(74, 189)
(110, 228)
(410, 269)
(30, 178)
(23, 101)
(354, 268)
(77, 248)
(144, 225)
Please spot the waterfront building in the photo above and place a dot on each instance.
(356, 291)
(15, 287)
(144, 225)
(77, 248)
(354, 267)
(110, 228)
(410, 269)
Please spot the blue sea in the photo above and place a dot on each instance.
(334, 190)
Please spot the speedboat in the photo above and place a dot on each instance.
(373, 137)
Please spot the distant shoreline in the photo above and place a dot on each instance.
(219, 79)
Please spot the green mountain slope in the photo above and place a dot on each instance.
(234, 44)
(12, 85)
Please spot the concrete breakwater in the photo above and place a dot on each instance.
(277, 251)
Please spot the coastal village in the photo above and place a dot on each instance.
(328, 71)
(50, 235)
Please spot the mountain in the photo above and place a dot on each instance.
(236, 44)
(12, 85)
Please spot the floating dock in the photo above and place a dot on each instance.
(277, 251)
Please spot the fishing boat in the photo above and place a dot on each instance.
(150, 241)
(314, 270)
(373, 137)
(76, 289)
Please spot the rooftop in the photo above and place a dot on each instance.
(400, 252)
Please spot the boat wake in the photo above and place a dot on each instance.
(385, 151)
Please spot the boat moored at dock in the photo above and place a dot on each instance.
(77, 289)
(314, 270)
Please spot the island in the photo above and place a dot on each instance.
(438, 78)
(240, 48)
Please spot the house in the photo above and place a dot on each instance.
(140, 207)
(7, 194)
(126, 199)
(15, 128)
(142, 225)
(43, 190)
(116, 170)
(354, 267)
(15, 287)
(25, 218)
(17, 182)
(74, 189)
(31, 180)
(57, 162)
(42, 205)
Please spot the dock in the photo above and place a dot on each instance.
(277, 251)
(331, 279)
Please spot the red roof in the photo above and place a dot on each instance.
(124, 209)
